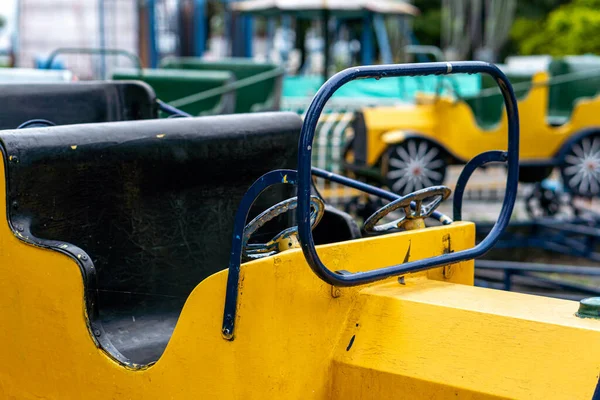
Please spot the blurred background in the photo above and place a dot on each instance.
(463, 29)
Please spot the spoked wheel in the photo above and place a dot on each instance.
(581, 167)
(415, 164)
(544, 201)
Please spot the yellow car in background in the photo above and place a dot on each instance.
(409, 147)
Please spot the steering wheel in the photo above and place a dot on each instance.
(412, 219)
(288, 238)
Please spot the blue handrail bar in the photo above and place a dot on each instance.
(304, 167)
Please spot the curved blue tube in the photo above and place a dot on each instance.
(304, 167)
(476, 162)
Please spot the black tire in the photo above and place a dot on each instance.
(580, 169)
(415, 164)
(531, 174)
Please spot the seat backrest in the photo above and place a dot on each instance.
(171, 85)
(151, 202)
(75, 102)
(488, 110)
(264, 94)
(564, 95)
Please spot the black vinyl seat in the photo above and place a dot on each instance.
(76, 102)
(150, 203)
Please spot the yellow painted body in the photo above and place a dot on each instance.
(431, 336)
(453, 125)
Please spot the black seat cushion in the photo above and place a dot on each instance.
(151, 202)
(76, 102)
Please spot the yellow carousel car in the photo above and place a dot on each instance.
(410, 147)
(129, 271)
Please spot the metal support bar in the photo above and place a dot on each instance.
(152, 33)
(102, 34)
(305, 155)
(382, 39)
(366, 45)
(465, 175)
(235, 259)
(172, 111)
(112, 52)
(248, 36)
(537, 267)
(373, 190)
(199, 27)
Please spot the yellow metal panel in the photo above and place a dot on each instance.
(453, 125)
(415, 338)
(467, 342)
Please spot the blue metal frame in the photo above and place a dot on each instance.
(199, 27)
(272, 178)
(461, 185)
(303, 177)
(285, 176)
(172, 111)
(304, 167)
(366, 46)
(153, 50)
(577, 237)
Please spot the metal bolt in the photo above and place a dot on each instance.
(97, 332)
(335, 292)
(226, 332)
(84, 257)
(589, 308)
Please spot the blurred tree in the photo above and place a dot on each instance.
(2, 21)
(530, 14)
(428, 25)
(572, 28)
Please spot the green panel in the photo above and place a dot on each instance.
(173, 84)
(265, 94)
(583, 81)
(488, 107)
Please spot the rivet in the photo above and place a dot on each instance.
(97, 332)
(84, 257)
